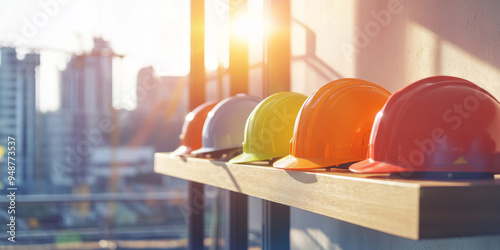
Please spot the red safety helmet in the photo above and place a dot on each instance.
(438, 124)
(192, 129)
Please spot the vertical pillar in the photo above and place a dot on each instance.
(196, 97)
(238, 49)
(277, 46)
(196, 207)
(277, 58)
(238, 220)
(197, 65)
(238, 72)
(275, 226)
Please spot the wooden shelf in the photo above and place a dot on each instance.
(412, 209)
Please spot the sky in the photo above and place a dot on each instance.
(148, 33)
(151, 32)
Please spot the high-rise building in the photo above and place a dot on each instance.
(18, 112)
(159, 115)
(86, 102)
(87, 80)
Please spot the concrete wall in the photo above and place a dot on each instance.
(395, 42)
(392, 43)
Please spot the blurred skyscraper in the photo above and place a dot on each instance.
(87, 80)
(18, 112)
(161, 108)
(76, 130)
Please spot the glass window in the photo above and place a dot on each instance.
(90, 91)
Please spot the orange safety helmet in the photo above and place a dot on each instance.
(192, 129)
(333, 126)
(438, 124)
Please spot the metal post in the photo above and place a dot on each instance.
(197, 67)
(238, 220)
(238, 72)
(277, 58)
(277, 47)
(275, 226)
(196, 202)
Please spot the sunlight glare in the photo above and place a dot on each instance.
(248, 27)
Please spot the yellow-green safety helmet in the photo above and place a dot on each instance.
(269, 127)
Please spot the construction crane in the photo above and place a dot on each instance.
(106, 52)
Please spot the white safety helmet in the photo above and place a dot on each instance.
(224, 128)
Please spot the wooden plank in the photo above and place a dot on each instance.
(408, 208)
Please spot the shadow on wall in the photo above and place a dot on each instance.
(309, 71)
(311, 59)
(378, 44)
(470, 25)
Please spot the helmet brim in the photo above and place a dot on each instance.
(204, 151)
(182, 150)
(250, 157)
(213, 150)
(378, 167)
(295, 163)
(370, 166)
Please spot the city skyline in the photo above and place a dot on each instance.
(124, 25)
(71, 27)
(48, 140)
